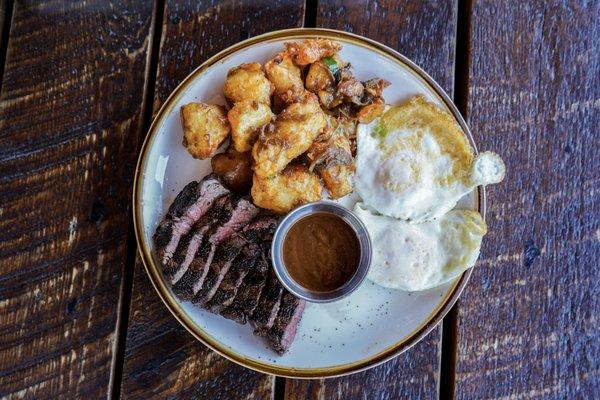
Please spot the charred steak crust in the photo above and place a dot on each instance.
(235, 213)
(189, 206)
(232, 281)
(261, 229)
(249, 293)
(163, 232)
(268, 304)
(225, 254)
(281, 335)
(182, 287)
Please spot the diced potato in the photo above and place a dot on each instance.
(248, 82)
(205, 127)
(294, 186)
(311, 50)
(234, 169)
(247, 118)
(287, 79)
(293, 132)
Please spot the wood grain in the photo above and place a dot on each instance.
(162, 360)
(70, 114)
(528, 321)
(424, 32)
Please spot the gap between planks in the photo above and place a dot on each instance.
(116, 377)
(461, 97)
(7, 9)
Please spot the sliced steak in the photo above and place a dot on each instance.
(265, 312)
(234, 215)
(164, 230)
(224, 256)
(261, 229)
(232, 281)
(187, 208)
(189, 245)
(281, 335)
(248, 295)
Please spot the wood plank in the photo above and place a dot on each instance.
(528, 321)
(4, 21)
(162, 360)
(70, 115)
(424, 32)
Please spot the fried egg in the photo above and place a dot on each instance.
(415, 162)
(415, 257)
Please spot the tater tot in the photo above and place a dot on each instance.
(311, 50)
(287, 79)
(247, 118)
(294, 186)
(293, 132)
(248, 82)
(205, 127)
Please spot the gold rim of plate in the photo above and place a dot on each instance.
(173, 305)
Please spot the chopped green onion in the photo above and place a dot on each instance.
(380, 131)
(331, 64)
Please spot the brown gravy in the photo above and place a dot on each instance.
(321, 252)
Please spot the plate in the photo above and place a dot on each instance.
(367, 328)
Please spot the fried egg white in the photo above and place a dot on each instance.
(415, 257)
(415, 162)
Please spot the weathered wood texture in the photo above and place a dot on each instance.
(424, 32)
(528, 321)
(4, 21)
(70, 113)
(162, 360)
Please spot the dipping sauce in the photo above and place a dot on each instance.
(321, 252)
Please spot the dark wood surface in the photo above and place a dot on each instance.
(529, 316)
(80, 83)
(70, 115)
(424, 32)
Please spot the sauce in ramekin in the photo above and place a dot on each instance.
(321, 252)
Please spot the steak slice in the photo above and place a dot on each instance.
(246, 300)
(281, 335)
(232, 281)
(221, 263)
(164, 230)
(188, 207)
(261, 229)
(265, 312)
(188, 247)
(234, 215)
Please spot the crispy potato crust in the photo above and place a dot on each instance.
(248, 82)
(247, 118)
(205, 127)
(294, 186)
(294, 131)
(312, 50)
(287, 79)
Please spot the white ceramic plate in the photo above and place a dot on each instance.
(362, 330)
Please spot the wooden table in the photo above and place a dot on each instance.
(80, 82)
